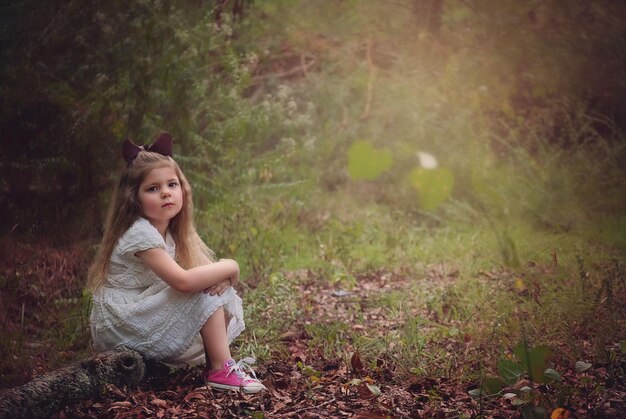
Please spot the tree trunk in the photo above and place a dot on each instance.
(86, 379)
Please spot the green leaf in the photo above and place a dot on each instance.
(433, 186)
(492, 385)
(475, 393)
(582, 366)
(622, 346)
(374, 389)
(535, 359)
(354, 382)
(551, 374)
(510, 371)
(367, 163)
(417, 370)
(539, 357)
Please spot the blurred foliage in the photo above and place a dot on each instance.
(78, 77)
(531, 88)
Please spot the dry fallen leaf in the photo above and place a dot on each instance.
(559, 413)
(355, 362)
(159, 402)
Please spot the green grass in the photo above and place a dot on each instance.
(459, 306)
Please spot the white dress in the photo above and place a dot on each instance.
(137, 310)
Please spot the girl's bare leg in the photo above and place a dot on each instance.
(215, 339)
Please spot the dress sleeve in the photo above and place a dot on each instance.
(140, 236)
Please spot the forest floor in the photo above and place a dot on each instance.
(305, 382)
(322, 361)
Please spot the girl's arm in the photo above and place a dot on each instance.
(189, 280)
(206, 261)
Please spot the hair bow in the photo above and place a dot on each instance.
(162, 145)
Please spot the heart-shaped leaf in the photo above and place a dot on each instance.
(518, 402)
(510, 371)
(492, 385)
(535, 359)
(433, 186)
(551, 375)
(582, 366)
(367, 163)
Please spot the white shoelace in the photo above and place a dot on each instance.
(240, 366)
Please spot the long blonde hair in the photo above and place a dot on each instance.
(125, 209)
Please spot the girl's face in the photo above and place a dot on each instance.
(161, 197)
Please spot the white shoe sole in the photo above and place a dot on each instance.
(249, 389)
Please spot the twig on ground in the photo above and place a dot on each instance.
(327, 402)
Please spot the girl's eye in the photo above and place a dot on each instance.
(173, 184)
(151, 189)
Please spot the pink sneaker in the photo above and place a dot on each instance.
(233, 377)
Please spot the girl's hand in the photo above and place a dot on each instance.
(219, 289)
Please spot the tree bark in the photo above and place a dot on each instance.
(48, 394)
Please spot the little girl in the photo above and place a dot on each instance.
(155, 286)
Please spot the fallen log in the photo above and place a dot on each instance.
(49, 393)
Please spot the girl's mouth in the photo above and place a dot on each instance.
(169, 204)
